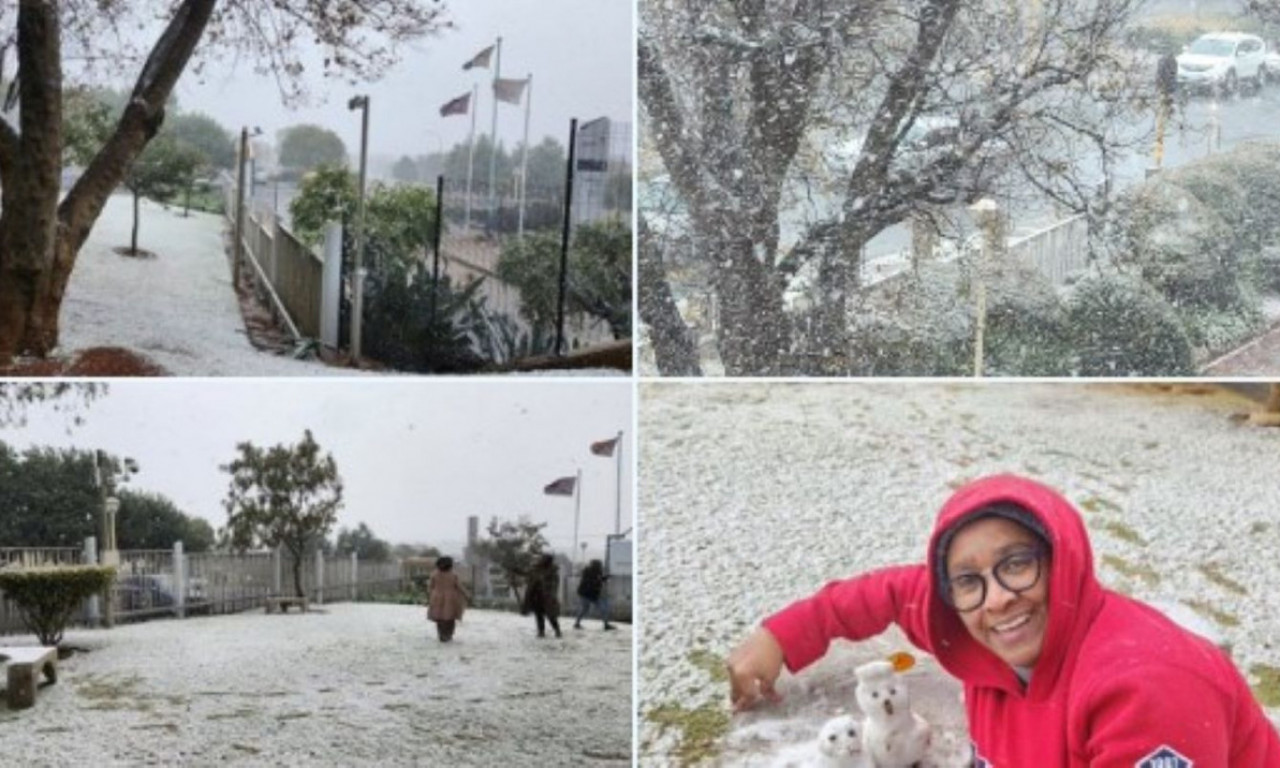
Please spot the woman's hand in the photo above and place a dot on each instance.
(753, 668)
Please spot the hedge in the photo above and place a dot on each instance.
(48, 596)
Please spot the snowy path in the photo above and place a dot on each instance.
(177, 309)
(755, 494)
(350, 684)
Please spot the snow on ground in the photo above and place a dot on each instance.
(755, 494)
(177, 309)
(347, 684)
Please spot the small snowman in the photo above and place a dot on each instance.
(892, 735)
(838, 742)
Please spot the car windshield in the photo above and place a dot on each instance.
(1212, 46)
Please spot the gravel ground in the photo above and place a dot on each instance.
(755, 494)
(347, 684)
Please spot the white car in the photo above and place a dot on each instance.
(1218, 61)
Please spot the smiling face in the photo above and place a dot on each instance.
(1012, 625)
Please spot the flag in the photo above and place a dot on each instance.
(481, 59)
(509, 91)
(561, 487)
(458, 106)
(604, 447)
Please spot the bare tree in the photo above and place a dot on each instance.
(737, 93)
(40, 237)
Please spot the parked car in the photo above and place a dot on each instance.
(1219, 61)
(1272, 62)
(148, 591)
(928, 136)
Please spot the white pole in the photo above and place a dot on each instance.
(617, 518)
(524, 153)
(471, 154)
(493, 141)
(577, 506)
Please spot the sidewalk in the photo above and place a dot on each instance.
(1260, 357)
(177, 309)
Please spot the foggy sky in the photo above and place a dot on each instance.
(578, 51)
(416, 457)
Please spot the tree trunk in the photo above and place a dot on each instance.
(676, 353)
(40, 237)
(297, 575)
(754, 337)
(133, 240)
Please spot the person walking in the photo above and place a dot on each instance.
(591, 592)
(446, 599)
(540, 596)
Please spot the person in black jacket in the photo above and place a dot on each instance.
(591, 592)
(540, 597)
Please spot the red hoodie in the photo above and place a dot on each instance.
(1116, 685)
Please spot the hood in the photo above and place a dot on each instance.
(1200, 60)
(1074, 593)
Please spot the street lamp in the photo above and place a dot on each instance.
(238, 247)
(357, 304)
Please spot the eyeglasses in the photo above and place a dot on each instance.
(1016, 572)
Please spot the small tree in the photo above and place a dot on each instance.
(513, 547)
(47, 596)
(283, 496)
(165, 168)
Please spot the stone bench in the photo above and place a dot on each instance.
(24, 665)
(281, 604)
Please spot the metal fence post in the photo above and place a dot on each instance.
(276, 580)
(179, 581)
(91, 558)
(355, 577)
(319, 577)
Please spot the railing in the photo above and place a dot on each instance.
(1058, 251)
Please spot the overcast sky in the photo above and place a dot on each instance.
(416, 457)
(578, 51)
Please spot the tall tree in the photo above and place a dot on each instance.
(310, 146)
(405, 169)
(16, 399)
(283, 496)
(51, 496)
(513, 547)
(206, 136)
(151, 521)
(362, 541)
(742, 100)
(40, 235)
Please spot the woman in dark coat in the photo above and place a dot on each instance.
(541, 595)
(446, 599)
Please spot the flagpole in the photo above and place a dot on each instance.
(471, 154)
(577, 507)
(493, 143)
(617, 519)
(524, 154)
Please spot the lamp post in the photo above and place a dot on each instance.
(238, 247)
(357, 303)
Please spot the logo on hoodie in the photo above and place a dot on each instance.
(1164, 757)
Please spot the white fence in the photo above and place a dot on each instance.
(1058, 251)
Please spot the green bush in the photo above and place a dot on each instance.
(1120, 326)
(47, 597)
(914, 326)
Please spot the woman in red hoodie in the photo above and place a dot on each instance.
(1058, 672)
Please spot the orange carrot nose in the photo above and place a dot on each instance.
(902, 661)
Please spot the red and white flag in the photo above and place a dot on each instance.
(458, 106)
(561, 487)
(604, 447)
(481, 59)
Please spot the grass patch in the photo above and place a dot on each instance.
(1259, 528)
(1267, 689)
(1211, 572)
(710, 663)
(700, 729)
(1124, 533)
(1140, 571)
(236, 715)
(1218, 616)
(1099, 504)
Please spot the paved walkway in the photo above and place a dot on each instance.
(1260, 357)
(178, 309)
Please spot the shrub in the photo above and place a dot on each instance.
(46, 597)
(913, 326)
(1120, 326)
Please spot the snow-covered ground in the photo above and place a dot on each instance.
(177, 309)
(755, 494)
(347, 684)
